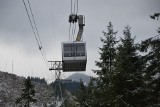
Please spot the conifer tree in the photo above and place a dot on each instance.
(152, 69)
(107, 52)
(127, 76)
(107, 57)
(91, 99)
(81, 95)
(27, 95)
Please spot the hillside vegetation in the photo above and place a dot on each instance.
(10, 89)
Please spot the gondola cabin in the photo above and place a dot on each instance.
(74, 56)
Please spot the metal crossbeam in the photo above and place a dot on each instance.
(56, 65)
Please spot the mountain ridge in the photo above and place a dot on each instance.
(79, 76)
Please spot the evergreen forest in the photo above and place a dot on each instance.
(128, 74)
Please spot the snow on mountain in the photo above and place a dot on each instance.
(10, 89)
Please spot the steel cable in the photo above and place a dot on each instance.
(36, 34)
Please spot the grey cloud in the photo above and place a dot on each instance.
(15, 28)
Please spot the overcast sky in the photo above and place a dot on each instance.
(17, 40)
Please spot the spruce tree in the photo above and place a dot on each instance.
(27, 95)
(107, 57)
(91, 99)
(151, 48)
(107, 52)
(127, 76)
(81, 95)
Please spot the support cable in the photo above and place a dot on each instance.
(35, 25)
(30, 22)
(72, 32)
(40, 48)
(74, 29)
(77, 6)
(72, 26)
(36, 34)
(71, 6)
(69, 32)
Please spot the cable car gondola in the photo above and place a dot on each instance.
(74, 56)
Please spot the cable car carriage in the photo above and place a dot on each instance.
(74, 56)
